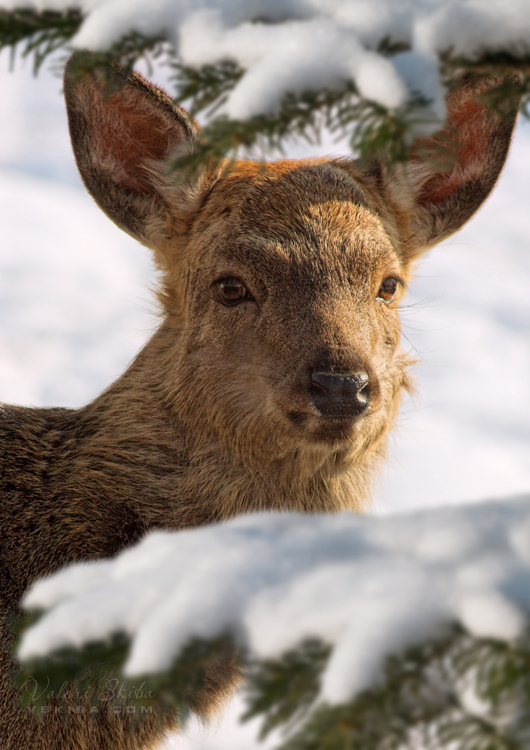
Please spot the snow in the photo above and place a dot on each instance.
(56, 304)
(369, 586)
(488, 614)
(296, 45)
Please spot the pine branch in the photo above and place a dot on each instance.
(40, 34)
(419, 702)
(282, 691)
(93, 675)
(368, 126)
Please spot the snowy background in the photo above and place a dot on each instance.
(76, 304)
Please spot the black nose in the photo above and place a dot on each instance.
(339, 394)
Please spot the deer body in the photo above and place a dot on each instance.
(274, 377)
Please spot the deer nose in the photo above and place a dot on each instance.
(338, 394)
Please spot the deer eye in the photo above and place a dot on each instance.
(388, 289)
(231, 291)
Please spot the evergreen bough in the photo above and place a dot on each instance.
(426, 697)
(367, 125)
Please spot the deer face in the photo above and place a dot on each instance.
(291, 326)
(281, 282)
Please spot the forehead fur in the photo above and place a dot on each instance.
(295, 206)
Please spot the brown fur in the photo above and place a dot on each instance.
(214, 417)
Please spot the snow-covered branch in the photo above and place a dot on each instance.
(375, 70)
(445, 588)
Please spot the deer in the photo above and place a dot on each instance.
(275, 375)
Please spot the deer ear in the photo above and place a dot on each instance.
(450, 174)
(123, 130)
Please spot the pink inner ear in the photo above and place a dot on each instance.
(130, 132)
(468, 129)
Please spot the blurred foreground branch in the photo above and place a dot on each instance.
(457, 692)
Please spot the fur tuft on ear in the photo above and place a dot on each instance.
(123, 131)
(450, 175)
